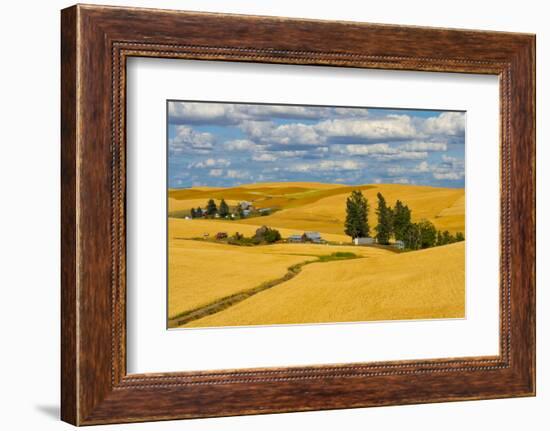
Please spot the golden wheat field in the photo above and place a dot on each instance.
(374, 284)
(201, 272)
(424, 284)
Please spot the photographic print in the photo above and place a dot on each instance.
(299, 214)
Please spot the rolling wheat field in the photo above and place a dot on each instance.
(213, 282)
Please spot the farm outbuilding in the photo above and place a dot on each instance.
(313, 237)
(295, 238)
(363, 241)
(245, 205)
(399, 244)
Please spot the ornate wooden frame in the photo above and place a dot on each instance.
(95, 42)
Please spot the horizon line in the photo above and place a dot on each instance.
(316, 182)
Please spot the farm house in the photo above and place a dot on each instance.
(313, 237)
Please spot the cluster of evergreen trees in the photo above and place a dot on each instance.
(212, 209)
(393, 222)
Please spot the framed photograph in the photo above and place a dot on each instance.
(272, 193)
(264, 215)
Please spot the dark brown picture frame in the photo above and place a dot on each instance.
(96, 41)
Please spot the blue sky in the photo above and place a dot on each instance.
(227, 144)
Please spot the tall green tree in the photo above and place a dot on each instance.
(412, 237)
(240, 211)
(224, 209)
(193, 213)
(439, 240)
(211, 208)
(384, 226)
(446, 238)
(428, 233)
(401, 220)
(459, 237)
(357, 215)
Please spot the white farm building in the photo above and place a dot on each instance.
(363, 241)
(399, 245)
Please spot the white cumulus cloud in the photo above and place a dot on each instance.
(390, 127)
(188, 140)
(424, 146)
(401, 181)
(447, 123)
(216, 172)
(241, 145)
(265, 157)
(233, 173)
(209, 163)
(326, 165)
(380, 152)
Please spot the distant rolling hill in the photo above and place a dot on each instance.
(321, 207)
